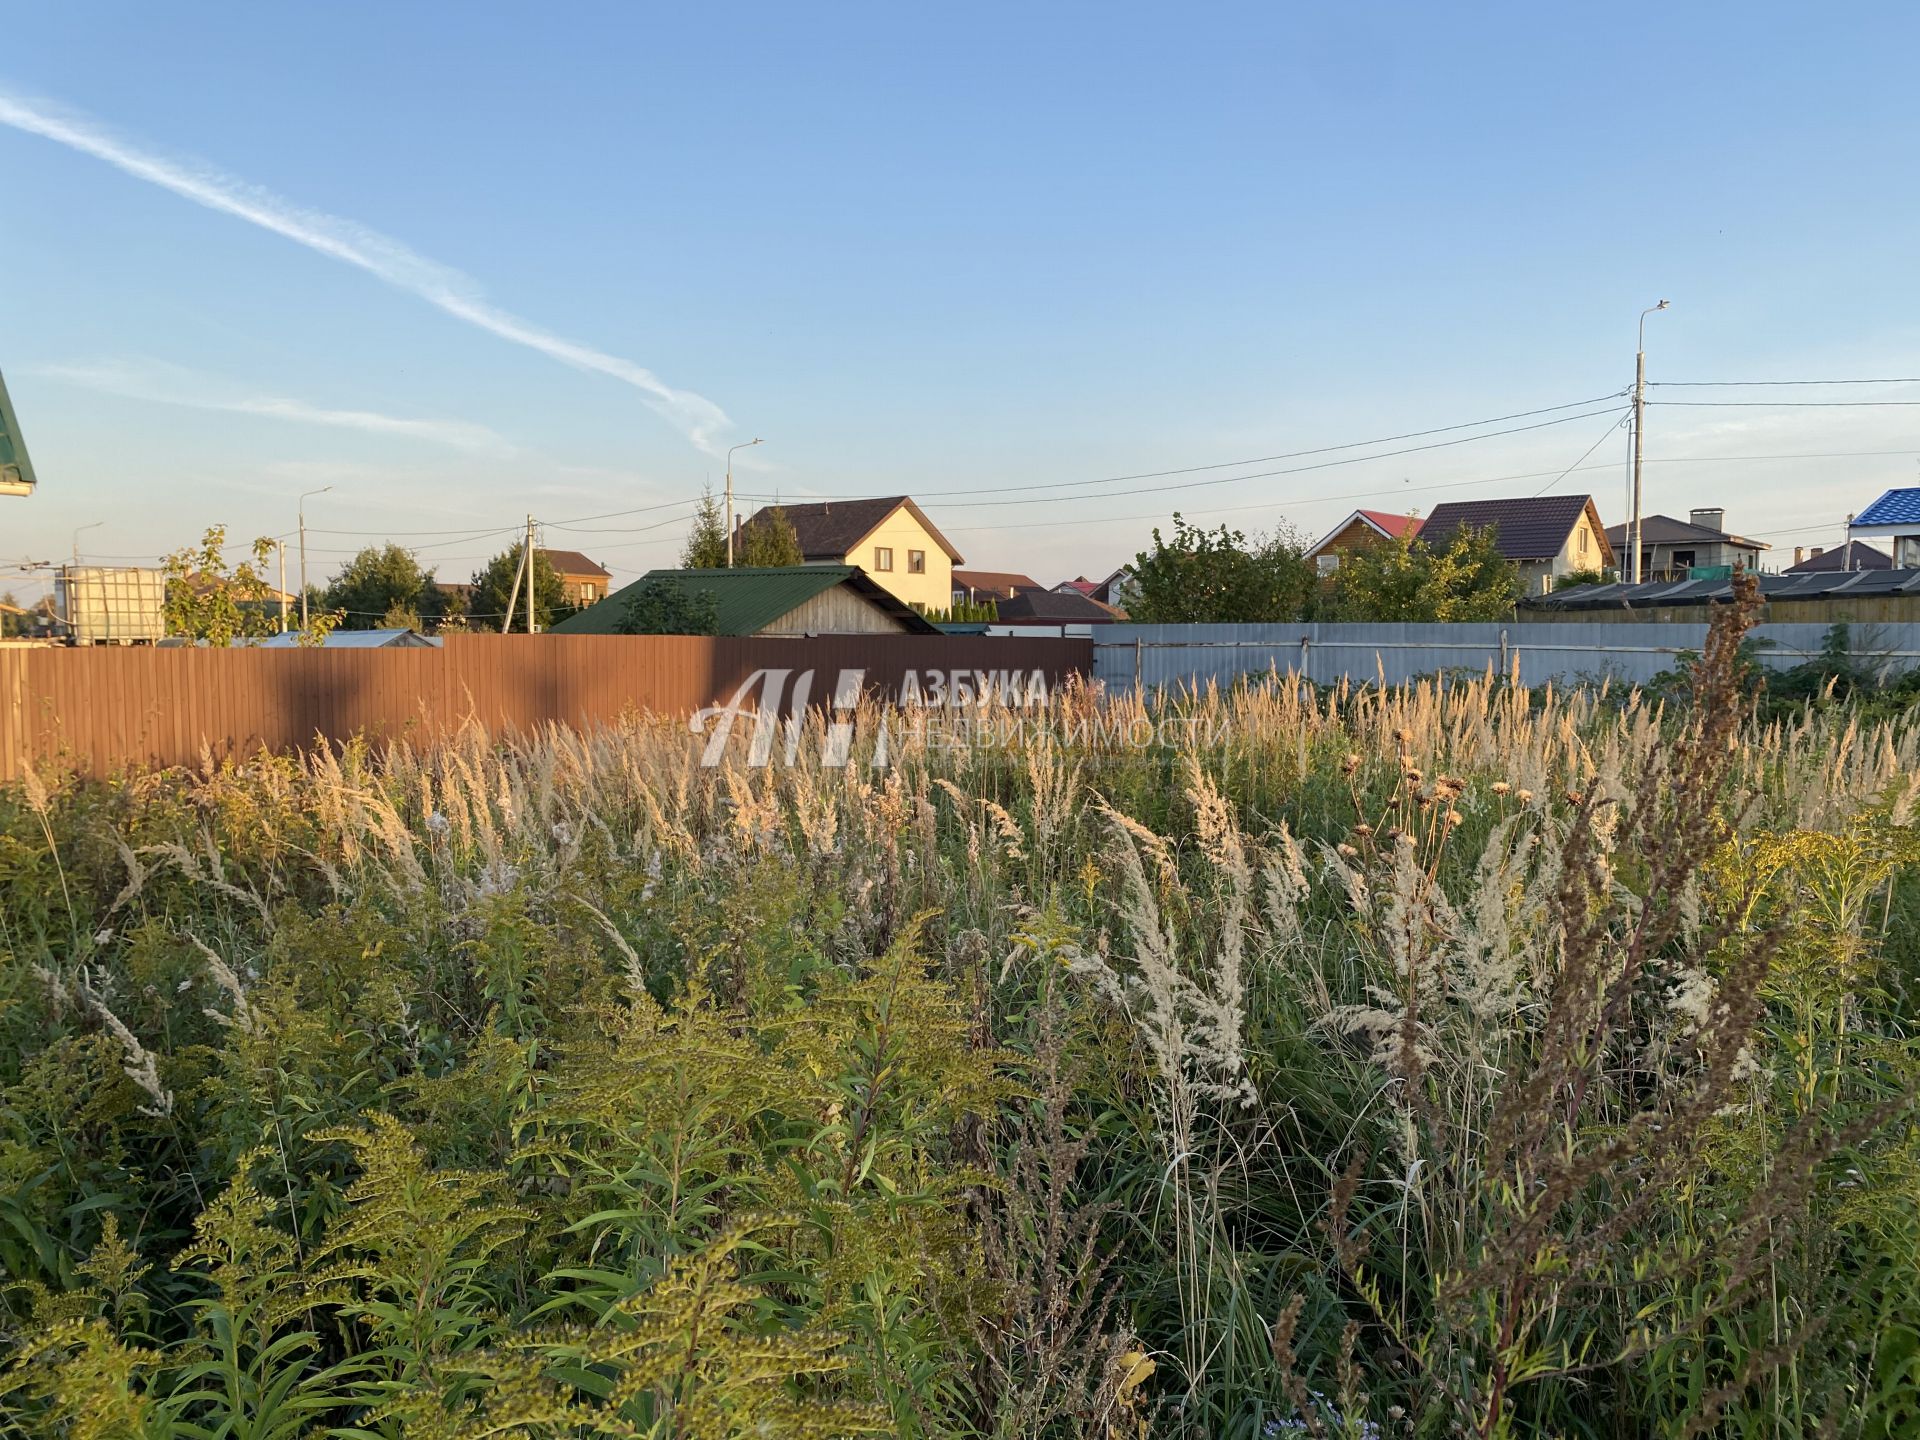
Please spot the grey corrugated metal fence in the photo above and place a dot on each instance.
(1160, 655)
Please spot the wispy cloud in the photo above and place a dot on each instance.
(171, 385)
(355, 244)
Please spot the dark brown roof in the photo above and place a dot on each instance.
(1665, 530)
(1530, 527)
(833, 529)
(1054, 607)
(1006, 583)
(572, 562)
(1854, 555)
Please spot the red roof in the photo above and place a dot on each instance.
(1394, 525)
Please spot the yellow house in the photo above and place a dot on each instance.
(890, 538)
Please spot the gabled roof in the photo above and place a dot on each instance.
(1383, 522)
(749, 598)
(1665, 530)
(16, 470)
(1055, 607)
(833, 529)
(1079, 585)
(352, 640)
(1005, 583)
(1897, 511)
(1530, 527)
(572, 562)
(1854, 555)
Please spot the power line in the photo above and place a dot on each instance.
(1782, 404)
(617, 514)
(1289, 470)
(1449, 485)
(1261, 459)
(471, 530)
(1605, 435)
(1730, 384)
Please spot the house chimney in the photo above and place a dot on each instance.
(1799, 553)
(1817, 550)
(1710, 517)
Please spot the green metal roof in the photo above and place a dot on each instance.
(16, 470)
(747, 598)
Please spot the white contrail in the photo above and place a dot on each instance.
(696, 416)
(170, 385)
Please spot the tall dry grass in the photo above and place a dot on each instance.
(1438, 1059)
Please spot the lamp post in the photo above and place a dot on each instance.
(303, 552)
(1639, 429)
(75, 547)
(95, 525)
(744, 445)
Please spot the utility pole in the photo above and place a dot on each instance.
(745, 445)
(533, 625)
(513, 595)
(303, 553)
(281, 545)
(1639, 430)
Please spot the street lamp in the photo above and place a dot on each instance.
(744, 445)
(95, 525)
(303, 552)
(1639, 427)
(75, 547)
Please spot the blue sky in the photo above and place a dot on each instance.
(935, 250)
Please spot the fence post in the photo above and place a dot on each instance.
(1505, 669)
(1136, 664)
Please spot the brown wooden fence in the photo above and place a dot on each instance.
(107, 709)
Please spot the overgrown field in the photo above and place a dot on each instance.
(1443, 1061)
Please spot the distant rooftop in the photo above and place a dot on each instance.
(572, 562)
(1817, 585)
(1854, 555)
(748, 598)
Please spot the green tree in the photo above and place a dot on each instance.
(1574, 579)
(660, 607)
(493, 584)
(1406, 580)
(769, 539)
(10, 623)
(1201, 577)
(384, 587)
(208, 600)
(706, 547)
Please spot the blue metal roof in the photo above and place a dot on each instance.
(1896, 507)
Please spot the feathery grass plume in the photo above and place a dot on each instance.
(229, 982)
(140, 1064)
